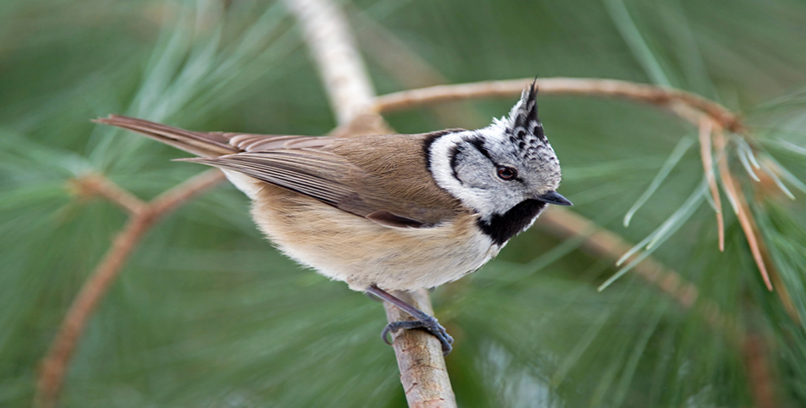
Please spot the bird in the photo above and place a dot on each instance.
(393, 212)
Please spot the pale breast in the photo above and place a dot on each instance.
(360, 252)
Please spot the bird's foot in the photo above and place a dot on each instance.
(430, 324)
(424, 320)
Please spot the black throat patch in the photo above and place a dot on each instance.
(500, 228)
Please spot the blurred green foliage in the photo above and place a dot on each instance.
(206, 313)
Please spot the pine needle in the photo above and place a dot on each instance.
(743, 145)
(660, 235)
(706, 126)
(770, 172)
(632, 35)
(740, 208)
(786, 174)
(667, 167)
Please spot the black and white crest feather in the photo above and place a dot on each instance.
(525, 121)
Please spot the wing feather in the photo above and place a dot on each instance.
(390, 190)
(325, 176)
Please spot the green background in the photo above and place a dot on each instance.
(207, 313)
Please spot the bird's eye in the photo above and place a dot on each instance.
(507, 173)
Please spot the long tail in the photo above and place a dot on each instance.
(206, 144)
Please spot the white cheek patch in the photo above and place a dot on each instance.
(441, 169)
(443, 172)
(486, 199)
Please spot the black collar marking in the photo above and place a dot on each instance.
(503, 227)
(432, 137)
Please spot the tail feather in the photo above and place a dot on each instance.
(212, 144)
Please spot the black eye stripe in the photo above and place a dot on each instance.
(479, 145)
(453, 153)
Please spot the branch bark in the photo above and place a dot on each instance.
(419, 357)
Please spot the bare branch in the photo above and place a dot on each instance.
(97, 185)
(169, 200)
(142, 218)
(54, 365)
(664, 97)
(332, 46)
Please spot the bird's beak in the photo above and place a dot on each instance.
(553, 197)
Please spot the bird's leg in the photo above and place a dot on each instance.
(424, 320)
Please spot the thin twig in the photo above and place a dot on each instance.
(706, 126)
(762, 378)
(739, 205)
(142, 217)
(54, 365)
(352, 95)
(96, 185)
(664, 97)
(169, 200)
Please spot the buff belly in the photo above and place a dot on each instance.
(352, 249)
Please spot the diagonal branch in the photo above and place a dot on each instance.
(98, 185)
(142, 217)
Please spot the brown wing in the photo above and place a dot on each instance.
(382, 178)
(324, 176)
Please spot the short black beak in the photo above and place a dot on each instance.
(553, 197)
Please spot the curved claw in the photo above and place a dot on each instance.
(395, 326)
(423, 320)
(431, 325)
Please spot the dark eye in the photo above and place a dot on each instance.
(507, 173)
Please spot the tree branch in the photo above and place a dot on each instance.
(97, 185)
(327, 33)
(142, 217)
(672, 99)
